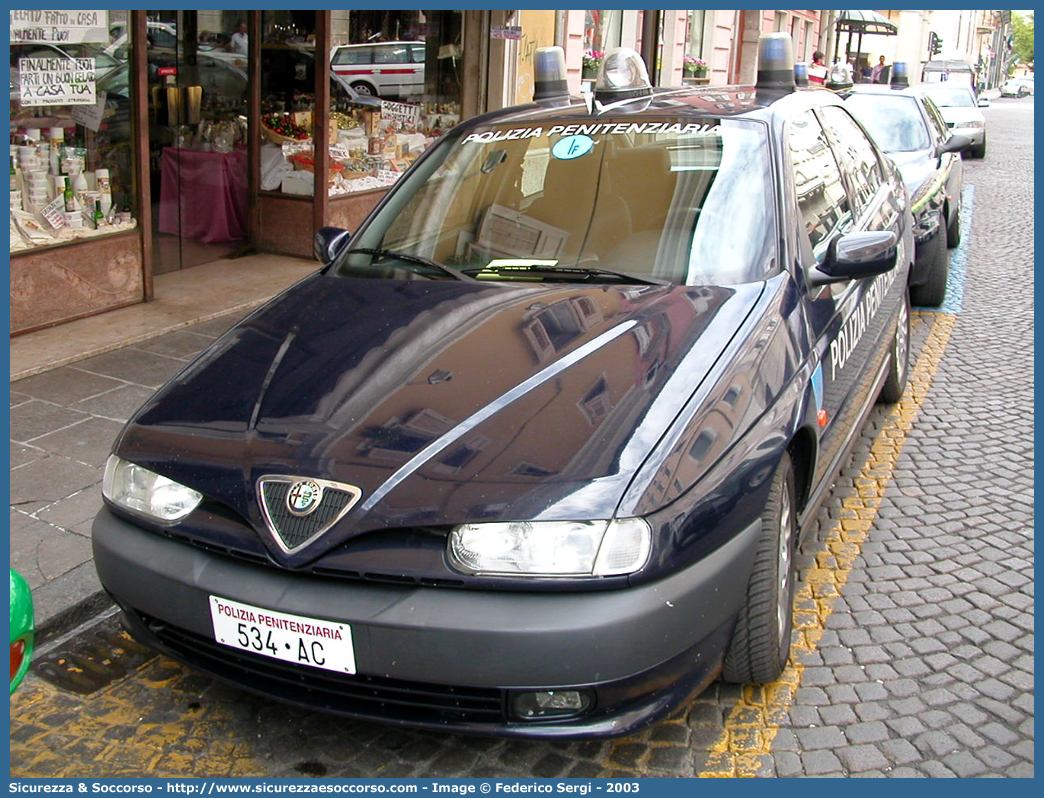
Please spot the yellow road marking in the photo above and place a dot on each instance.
(755, 720)
(53, 736)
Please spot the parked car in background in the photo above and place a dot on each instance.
(532, 453)
(162, 42)
(382, 69)
(908, 126)
(960, 109)
(960, 73)
(1016, 87)
(23, 628)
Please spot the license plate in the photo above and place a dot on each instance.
(290, 638)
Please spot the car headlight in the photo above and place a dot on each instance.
(147, 493)
(551, 548)
(973, 123)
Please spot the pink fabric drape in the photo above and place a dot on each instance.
(203, 195)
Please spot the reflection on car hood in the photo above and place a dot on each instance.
(915, 167)
(443, 402)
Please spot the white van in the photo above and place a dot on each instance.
(381, 69)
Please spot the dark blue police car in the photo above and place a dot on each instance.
(531, 455)
(906, 124)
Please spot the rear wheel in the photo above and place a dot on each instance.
(760, 643)
(931, 292)
(898, 368)
(364, 89)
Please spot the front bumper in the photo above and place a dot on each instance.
(640, 651)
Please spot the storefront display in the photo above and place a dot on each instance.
(148, 141)
(70, 137)
(377, 126)
(370, 147)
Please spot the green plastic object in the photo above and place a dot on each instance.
(23, 628)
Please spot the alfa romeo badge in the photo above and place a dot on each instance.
(304, 497)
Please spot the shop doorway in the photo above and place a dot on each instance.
(197, 68)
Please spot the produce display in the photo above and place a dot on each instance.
(369, 148)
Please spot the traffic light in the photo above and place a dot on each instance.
(934, 44)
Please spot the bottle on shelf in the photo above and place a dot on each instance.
(80, 185)
(57, 142)
(69, 194)
(99, 217)
(101, 177)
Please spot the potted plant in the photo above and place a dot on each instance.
(592, 60)
(694, 67)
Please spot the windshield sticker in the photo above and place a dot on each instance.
(507, 262)
(572, 147)
(596, 129)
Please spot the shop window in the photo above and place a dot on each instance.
(603, 30)
(694, 42)
(406, 67)
(395, 80)
(70, 131)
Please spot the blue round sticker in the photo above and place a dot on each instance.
(572, 147)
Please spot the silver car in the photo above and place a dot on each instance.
(960, 109)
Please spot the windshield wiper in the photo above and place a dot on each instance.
(565, 272)
(410, 258)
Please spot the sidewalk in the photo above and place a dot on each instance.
(72, 389)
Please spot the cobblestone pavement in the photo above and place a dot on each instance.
(914, 622)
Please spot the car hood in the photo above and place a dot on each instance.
(443, 402)
(961, 116)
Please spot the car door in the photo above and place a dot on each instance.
(393, 68)
(951, 164)
(843, 322)
(416, 81)
(355, 64)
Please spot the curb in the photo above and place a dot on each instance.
(66, 620)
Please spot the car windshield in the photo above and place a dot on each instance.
(895, 122)
(951, 98)
(661, 200)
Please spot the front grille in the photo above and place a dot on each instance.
(296, 530)
(358, 695)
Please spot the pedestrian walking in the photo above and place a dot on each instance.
(880, 73)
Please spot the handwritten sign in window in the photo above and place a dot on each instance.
(59, 27)
(408, 115)
(57, 81)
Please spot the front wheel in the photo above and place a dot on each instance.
(980, 150)
(365, 89)
(899, 357)
(760, 644)
(953, 229)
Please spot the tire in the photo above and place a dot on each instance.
(953, 229)
(980, 151)
(760, 644)
(932, 292)
(899, 357)
(365, 89)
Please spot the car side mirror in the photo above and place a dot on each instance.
(984, 102)
(328, 243)
(955, 143)
(853, 256)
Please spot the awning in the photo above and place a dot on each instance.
(865, 22)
